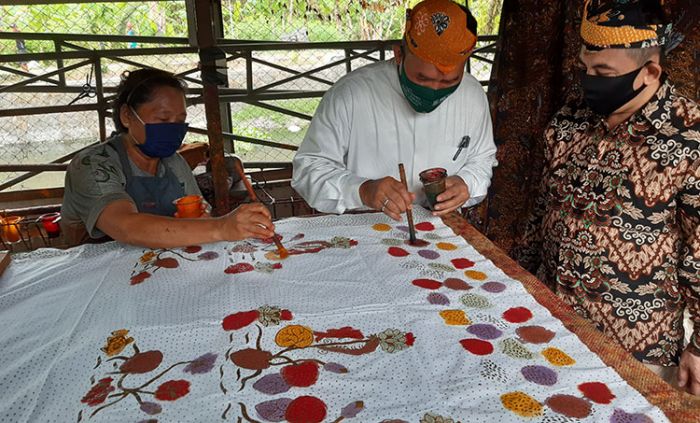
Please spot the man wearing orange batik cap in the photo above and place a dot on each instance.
(616, 229)
(419, 109)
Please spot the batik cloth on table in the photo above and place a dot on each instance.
(355, 326)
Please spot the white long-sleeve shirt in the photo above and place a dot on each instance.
(364, 127)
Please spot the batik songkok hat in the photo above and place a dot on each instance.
(440, 32)
(624, 24)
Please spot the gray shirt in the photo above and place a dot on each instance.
(95, 178)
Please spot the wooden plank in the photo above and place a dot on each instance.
(4, 261)
(50, 167)
(28, 195)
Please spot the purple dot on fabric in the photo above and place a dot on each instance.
(485, 331)
(621, 416)
(493, 287)
(402, 228)
(540, 375)
(439, 299)
(429, 254)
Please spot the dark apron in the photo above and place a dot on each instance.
(151, 194)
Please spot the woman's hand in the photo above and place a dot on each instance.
(247, 221)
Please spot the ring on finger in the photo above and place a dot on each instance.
(386, 201)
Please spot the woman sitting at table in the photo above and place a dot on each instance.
(125, 187)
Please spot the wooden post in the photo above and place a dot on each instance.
(206, 42)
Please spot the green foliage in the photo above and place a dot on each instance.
(323, 20)
(333, 20)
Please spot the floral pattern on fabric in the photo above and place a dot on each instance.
(618, 222)
(308, 366)
(274, 372)
(123, 368)
(154, 260)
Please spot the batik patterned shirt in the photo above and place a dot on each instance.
(616, 229)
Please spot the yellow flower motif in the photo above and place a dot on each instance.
(521, 404)
(476, 275)
(455, 317)
(147, 257)
(117, 342)
(295, 336)
(381, 227)
(446, 246)
(557, 357)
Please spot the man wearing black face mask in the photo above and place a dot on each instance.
(616, 230)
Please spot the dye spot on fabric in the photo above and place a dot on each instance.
(381, 227)
(485, 331)
(306, 409)
(512, 348)
(521, 404)
(208, 255)
(403, 228)
(597, 392)
(167, 263)
(457, 284)
(273, 410)
(493, 287)
(476, 275)
(446, 246)
(418, 243)
(429, 254)
(540, 375)
(302, 375)
(477, 346)
(569, 405)
(272, 384)
(438, 299)
(142, 362)
(425, 227)
(441, 267)
(621, 416)
(239, 268)
(534, 334)
(139, 278)
(517, 315)
(392, 242)
(427, 283)
(273, 256)
(240, 320)
(397, 252)
(492, 371)
(475, 301)
(455, 317)
(462, 263)
(557, 357)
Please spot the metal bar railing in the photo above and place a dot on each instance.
(235, 49)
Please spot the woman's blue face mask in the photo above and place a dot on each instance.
(162, 139)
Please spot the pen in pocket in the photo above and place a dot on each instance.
(462, 145)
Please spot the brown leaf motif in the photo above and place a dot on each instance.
(142, 362)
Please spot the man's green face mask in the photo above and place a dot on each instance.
(422, 99)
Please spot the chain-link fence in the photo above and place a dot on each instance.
(34, 138)
(145, 18)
